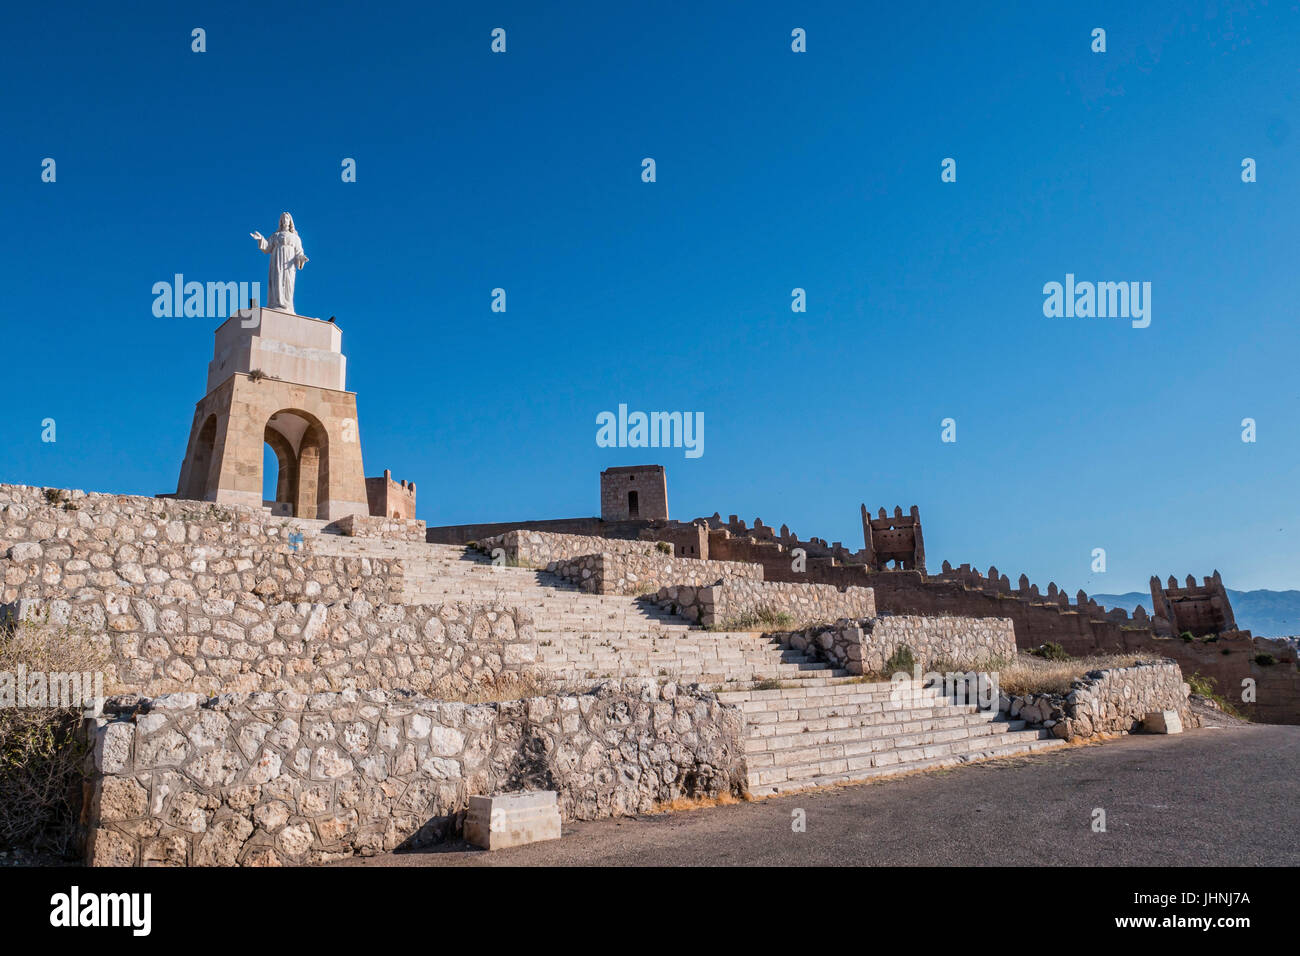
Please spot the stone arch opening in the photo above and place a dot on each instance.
(201, 460)
(301, 447)
(286, 480)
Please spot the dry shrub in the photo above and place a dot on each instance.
(679, 804)
(41, 748)
(1034, 675)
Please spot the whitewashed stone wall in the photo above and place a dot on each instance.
(284, 779)
(199, 597)
(1110, 701)
(541, 549)
(647, 573)
(737, 600)
(164, 645)
(371, 526)
(613, 566)
(140, 547)
(865, 646)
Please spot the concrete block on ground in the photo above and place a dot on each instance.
(512, 819)
(1162, 722)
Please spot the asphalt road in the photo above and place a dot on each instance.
(1208, 797)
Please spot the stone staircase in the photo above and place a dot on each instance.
(585, 636)
(847, 731)
(808, 724)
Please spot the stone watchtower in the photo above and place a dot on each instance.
(638, 493)
(277, 379)
(1198, 609)
(897, 539)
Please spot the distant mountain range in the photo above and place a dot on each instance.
(1264, 613)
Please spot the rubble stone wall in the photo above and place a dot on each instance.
(210, 598)
(542, 549)
(866, 646)
(284, 779)
(630, 573)
(86, 545)
(1112, 701)
(741, 602)
(373, 526)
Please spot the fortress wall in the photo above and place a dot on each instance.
(391, 499)
(286, 779)
(1081, 628)
(774, 558)
(1086, 630)
(1080, 631)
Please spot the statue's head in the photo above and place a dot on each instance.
(286, 222)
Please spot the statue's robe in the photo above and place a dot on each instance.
(285, 249)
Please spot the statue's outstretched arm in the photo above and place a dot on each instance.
(262, 244)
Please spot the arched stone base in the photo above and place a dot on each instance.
(312, 430)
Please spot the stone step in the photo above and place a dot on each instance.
(841, 778)
(765, 668)
(856, 741)
(806, 678)
(716, 674)
(860, 723)
(844, 715)
(768, 781)
(539, 600)
(671, 648)
(866, 687)
(707, 680)
(756, 701)
(653, 637)
(826, 702)
(709, 677)
(551, 656)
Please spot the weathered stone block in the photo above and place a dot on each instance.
(512, 819)
(1162, 722)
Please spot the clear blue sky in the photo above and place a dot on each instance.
(775, 170)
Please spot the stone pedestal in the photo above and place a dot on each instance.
(277, 379)
(512, 819)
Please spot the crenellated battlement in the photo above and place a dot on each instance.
(895, 540)
(1196, 609)
(390, 499)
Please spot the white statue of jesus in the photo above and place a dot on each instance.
(285, 249)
